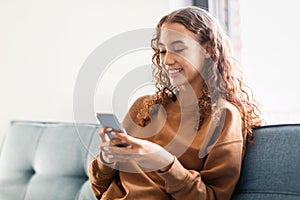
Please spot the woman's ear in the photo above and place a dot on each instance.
(207, 48)
(207, 55)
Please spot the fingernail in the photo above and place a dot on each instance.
(110, 156)
(113, 133)
(109, 129)
(105, 148)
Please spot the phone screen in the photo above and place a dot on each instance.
(111, 121)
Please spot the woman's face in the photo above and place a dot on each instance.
(181, 56)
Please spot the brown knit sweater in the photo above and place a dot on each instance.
(208, 160)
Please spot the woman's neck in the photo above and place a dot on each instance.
(189, 94)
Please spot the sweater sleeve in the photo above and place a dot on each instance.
(100, 176)
(221, 169)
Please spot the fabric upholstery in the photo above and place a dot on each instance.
(271, 165)
(43, 160)
(49, 161)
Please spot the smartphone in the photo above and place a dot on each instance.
(112, 123)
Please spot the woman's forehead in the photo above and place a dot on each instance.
(170, 37)
(176, 27)
(171, 32)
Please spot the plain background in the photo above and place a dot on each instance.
(270, 33)
(43, 45)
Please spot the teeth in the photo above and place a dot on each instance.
(173, 71)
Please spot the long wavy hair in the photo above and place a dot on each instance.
(222, 74)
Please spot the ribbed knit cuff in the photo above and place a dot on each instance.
(104, 168)
(175, 176)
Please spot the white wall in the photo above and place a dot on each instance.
(43, 45)
(270, 36)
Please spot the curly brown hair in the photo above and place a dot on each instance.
(221, 73)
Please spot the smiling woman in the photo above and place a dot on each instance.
(181, 55)
(186, 141)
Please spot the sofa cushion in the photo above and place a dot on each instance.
(271, 166)
(44, 160)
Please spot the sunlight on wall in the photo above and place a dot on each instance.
(270, 56)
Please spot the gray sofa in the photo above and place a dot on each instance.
(49, 161)
(271, 165)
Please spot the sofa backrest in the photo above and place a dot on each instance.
(271, 166)
(49, 161)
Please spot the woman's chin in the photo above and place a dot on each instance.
(177, 82)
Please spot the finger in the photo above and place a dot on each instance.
(105, 147)
(128, 138)
(103, 134)
(107, 158)
(111, 157)
(124, 152)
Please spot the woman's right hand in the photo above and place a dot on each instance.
(105, 143)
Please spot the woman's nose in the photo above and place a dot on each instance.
(169, 58)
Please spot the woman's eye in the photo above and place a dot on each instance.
(162, 51)
(178, 50)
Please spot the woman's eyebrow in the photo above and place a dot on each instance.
(161, 44)
(177, 42)
(172, 43)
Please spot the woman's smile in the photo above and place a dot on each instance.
(174, 72)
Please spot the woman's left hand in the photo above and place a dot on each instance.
(146, 154)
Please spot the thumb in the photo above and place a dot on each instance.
(128, 138)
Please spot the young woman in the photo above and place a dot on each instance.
(188, 140)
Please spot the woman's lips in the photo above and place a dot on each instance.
(174, 72)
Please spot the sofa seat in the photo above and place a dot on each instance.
(47, 160)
